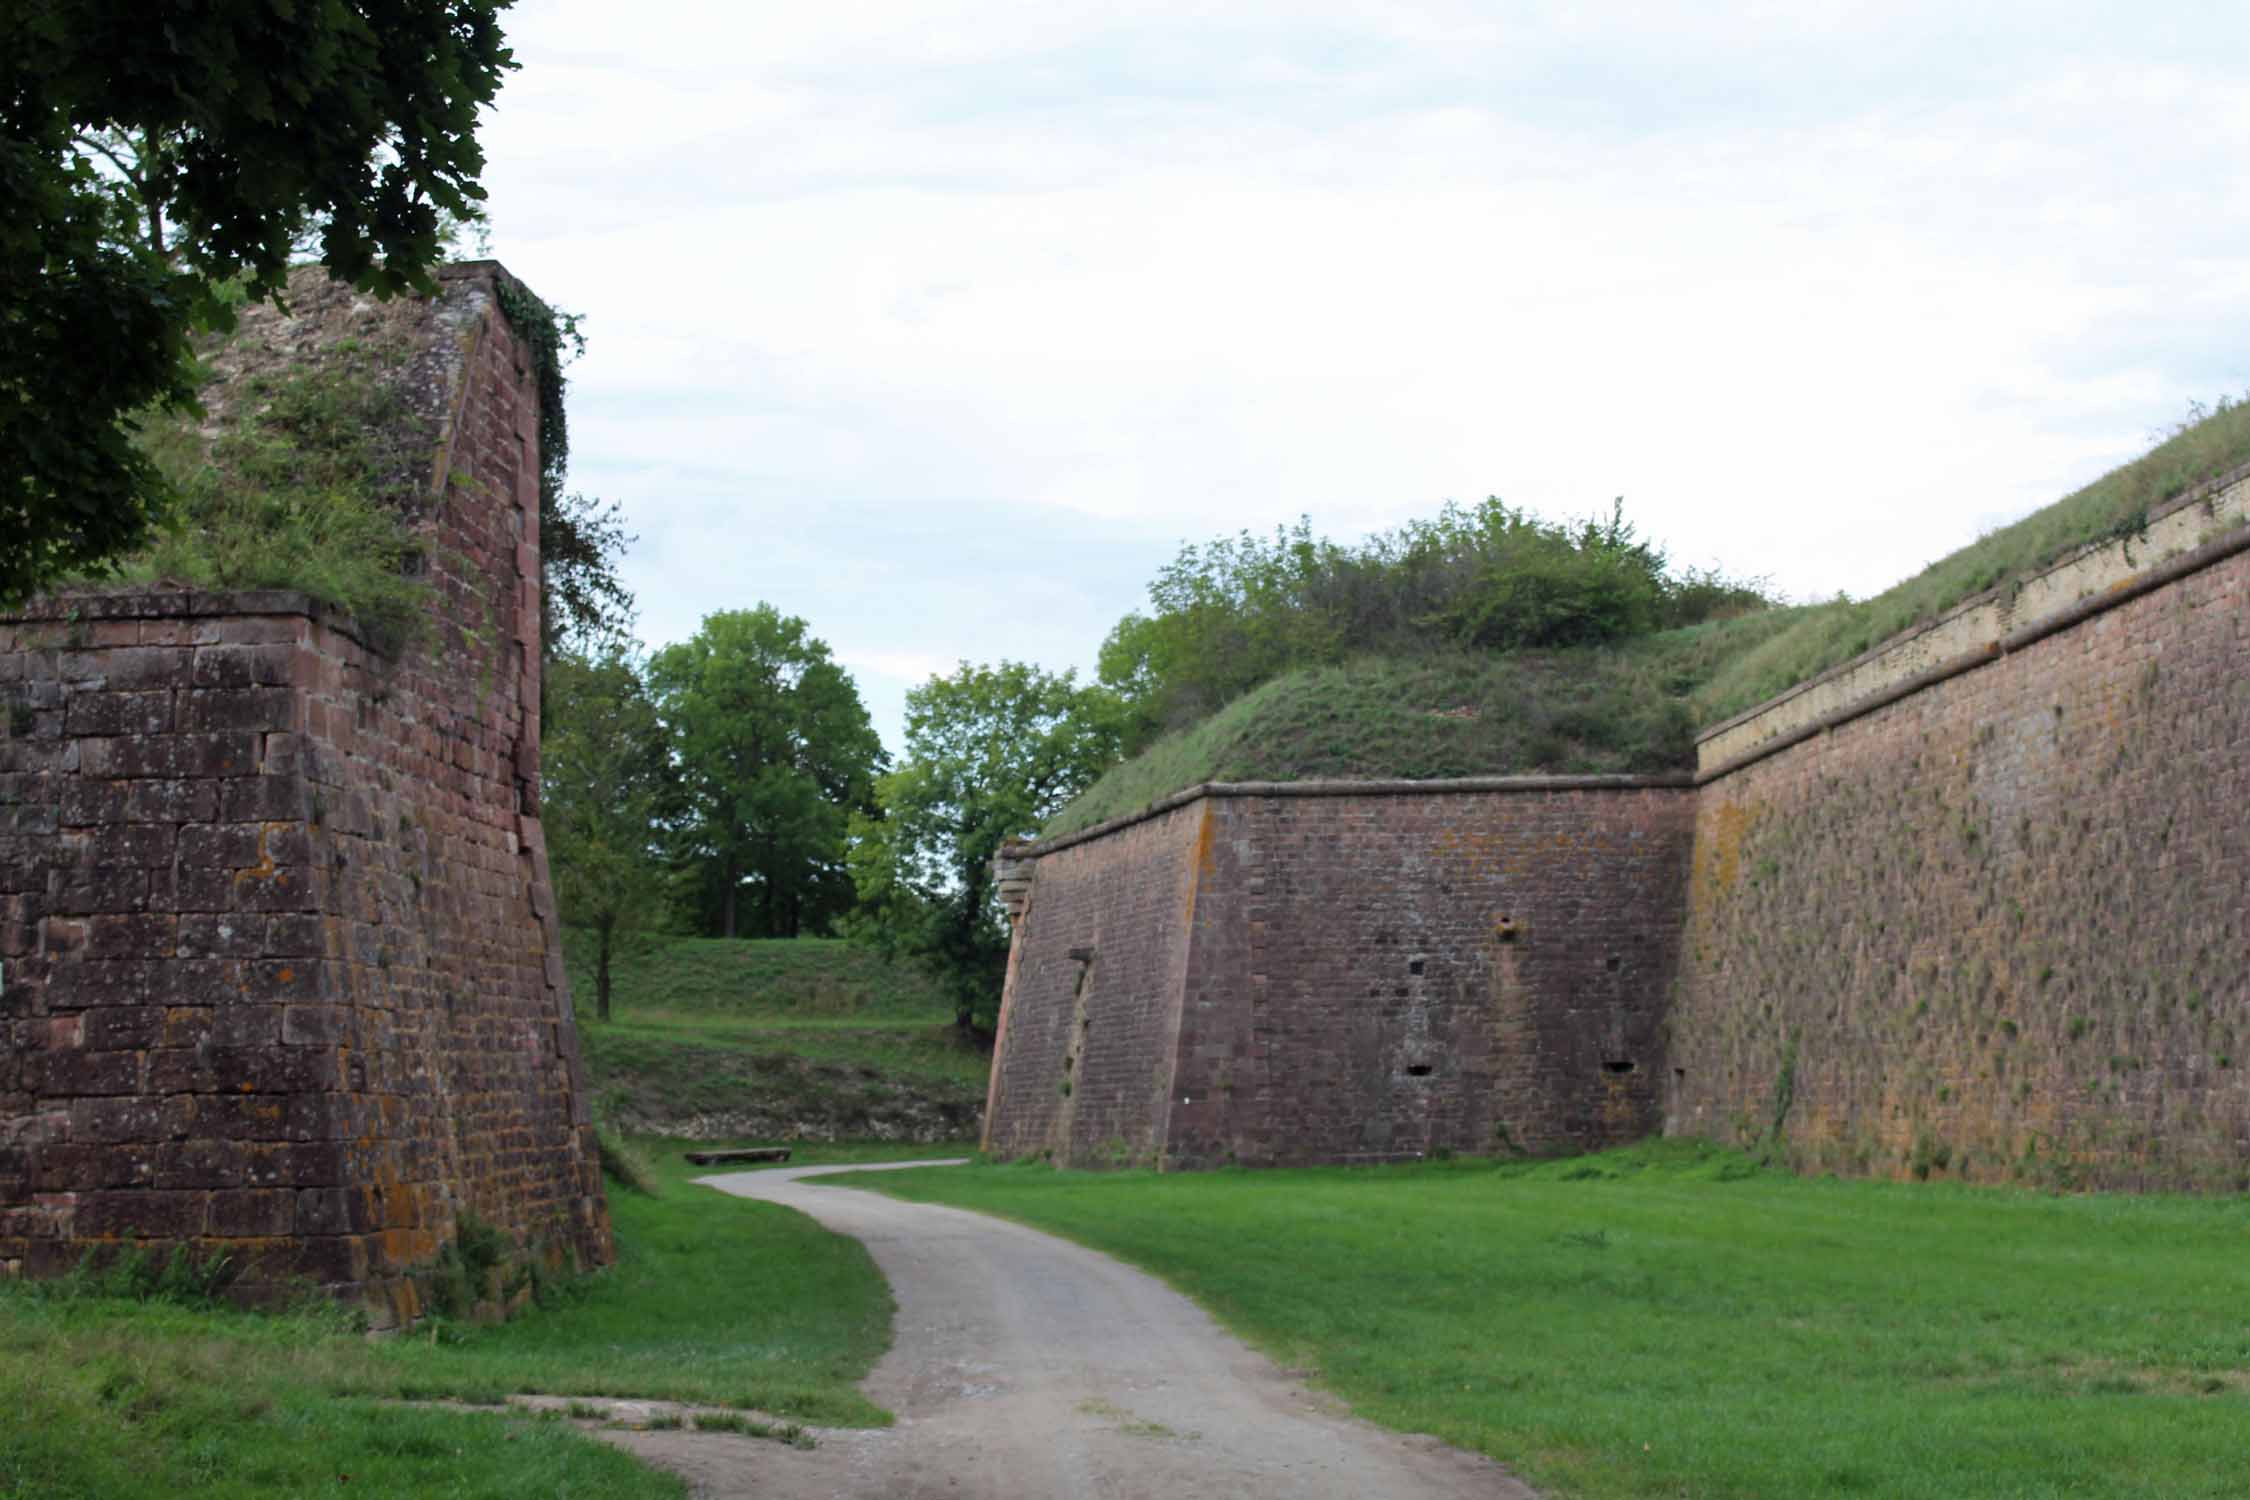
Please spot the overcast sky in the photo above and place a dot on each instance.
(942, 325)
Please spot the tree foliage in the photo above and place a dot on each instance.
(245, 126)
(605, 772)
(775, 752)
(1233, 613)
(583, 605)
(991, 753)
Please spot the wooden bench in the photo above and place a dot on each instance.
(748, 1153)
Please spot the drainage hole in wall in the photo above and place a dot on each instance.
(1414, 966)
(1615, 963)
(1618, 1065)
(1420, 1070)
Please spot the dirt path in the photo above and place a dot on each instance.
(1027, 1367)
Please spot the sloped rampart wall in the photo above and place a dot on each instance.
(1996, 927)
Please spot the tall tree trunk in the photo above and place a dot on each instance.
(773, 920)
(734, 882)
(601, 968)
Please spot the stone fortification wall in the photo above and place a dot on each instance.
(281, 968)
(1972, 905)
(1996, 927)
(1345, 972)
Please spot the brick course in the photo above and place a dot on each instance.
(282, 971)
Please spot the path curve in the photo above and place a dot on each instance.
(1026, 1366)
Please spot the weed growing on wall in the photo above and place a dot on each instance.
(299, 490)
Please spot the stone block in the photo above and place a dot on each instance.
(252, 1211)
(150, 1214)
(264, 799)
(219, 709)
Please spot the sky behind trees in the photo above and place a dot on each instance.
(942, 325)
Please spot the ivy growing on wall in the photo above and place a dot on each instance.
(580, 539)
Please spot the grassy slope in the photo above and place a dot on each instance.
(800, 978)
(2117, 504)
(714, 1299)
(1618, 709)
(1630, 708)
(813, 1030)
(1668, 1321)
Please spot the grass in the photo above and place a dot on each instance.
(308, 477)
(715, 1300)
(1632, 706)
(126, 1399)
(771, 979)
(1614, 709)
(1671, 1321)
(805, 1315)
(2117, 504)
(803, 1039)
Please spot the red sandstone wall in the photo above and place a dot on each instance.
(281, 964)
(1299, 977)
(1997, 929)
(1084, 1058)
(1379, 976)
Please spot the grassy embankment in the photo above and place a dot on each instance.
(714, 1300)
(1671, 1321)
(1629, 707)
(806, 1039)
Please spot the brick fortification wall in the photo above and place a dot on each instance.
(281, 974)
(1998, 927)
(1972, 905)
(1335, 973)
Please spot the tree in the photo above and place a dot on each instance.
(604, 773)
(156, 168)
(775, 751)
(583, 604)
(991, 754)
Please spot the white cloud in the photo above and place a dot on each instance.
(1821, 289)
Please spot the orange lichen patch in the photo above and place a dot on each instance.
(1718, 849)
(1620, 1112)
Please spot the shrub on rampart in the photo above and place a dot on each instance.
(1239, 611)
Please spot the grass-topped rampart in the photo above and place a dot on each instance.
(1490, 643)
(1623, 708)
(2116, 505)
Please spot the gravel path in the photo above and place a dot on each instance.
(1026, 1366)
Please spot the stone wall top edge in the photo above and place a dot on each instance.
(2218, 484)
(147, 602)
(2168, 572)
(78, 605)
(1223, 790)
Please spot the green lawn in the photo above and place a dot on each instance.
(811, 1037)
(1670, 1321)
(714, 1299)
(769, 978)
